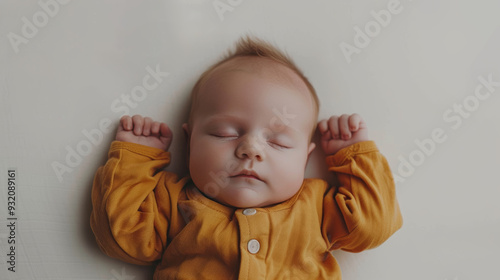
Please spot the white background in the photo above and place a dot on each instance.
(59, 80)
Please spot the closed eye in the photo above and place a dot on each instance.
(278, 145)
(220, 135)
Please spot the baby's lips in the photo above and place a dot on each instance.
(247, 172)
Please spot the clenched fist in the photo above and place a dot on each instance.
(340, 132)
(144, 131)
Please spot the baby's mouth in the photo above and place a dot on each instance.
(245, 173)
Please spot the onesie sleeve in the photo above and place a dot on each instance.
(363, 211)
(131, 204)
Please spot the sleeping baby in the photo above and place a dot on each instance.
(245, 211)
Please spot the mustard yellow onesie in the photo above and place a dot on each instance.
(144, 215)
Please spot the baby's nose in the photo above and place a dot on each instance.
(251, 148)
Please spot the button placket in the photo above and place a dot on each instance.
(253, 245)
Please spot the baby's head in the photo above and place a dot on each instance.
(252, 118)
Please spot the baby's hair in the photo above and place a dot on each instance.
(248, 46)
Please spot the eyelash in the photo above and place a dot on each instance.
(278, 145)
(273, 144)
(224, 136)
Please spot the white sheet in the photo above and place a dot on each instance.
(414, 70)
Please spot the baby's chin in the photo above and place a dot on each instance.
(246, 198)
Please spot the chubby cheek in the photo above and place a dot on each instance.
(288, 175)
(207, 158)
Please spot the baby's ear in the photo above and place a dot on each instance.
(311, 148)
(187, 134)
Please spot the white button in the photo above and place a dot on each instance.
(253, 246)
(249, 212)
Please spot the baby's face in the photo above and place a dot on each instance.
(249, 140)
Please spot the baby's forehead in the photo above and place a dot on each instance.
(263, 66)
(230, 73)
(267, 71)
(266, 68)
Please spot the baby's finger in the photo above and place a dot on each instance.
(138, 124)
(354, 121)
(323, 127)
(165, 131)
(345, 132)
(126, 123)
(327, 136)
(147, 126)
(155, 128)
(333, 125)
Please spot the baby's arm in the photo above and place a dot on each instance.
(362, 212)
(126, 219)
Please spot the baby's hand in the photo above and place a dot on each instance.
(144, 131)
(340, 132)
